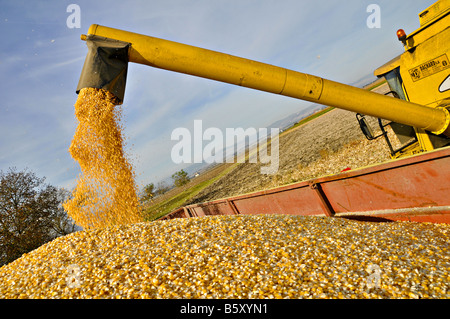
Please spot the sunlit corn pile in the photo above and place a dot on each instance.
(265, 256)
(106, 193)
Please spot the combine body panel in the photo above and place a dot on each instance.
(422, 75)
(413, 188)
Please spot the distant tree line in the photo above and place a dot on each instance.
(31, 213)
(179, 178)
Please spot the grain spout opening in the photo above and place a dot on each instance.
(106, 66)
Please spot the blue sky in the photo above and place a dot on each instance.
(41, 60)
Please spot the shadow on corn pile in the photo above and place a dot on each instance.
(264, 256)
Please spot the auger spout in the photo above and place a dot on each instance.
(226, 68)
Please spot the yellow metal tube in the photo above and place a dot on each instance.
(222, 67)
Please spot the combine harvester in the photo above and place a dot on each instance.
(413, 186)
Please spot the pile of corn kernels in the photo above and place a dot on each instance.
(264, 256)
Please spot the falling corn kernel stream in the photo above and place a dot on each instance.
(106, 192)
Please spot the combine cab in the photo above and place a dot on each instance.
(420, 75)
(413, 186)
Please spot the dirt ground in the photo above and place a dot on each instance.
(324, 146)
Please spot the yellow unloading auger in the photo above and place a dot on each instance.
(414, 188)
(110, 50)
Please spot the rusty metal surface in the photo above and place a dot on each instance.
(410, 189)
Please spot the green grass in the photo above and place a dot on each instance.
(161, 209)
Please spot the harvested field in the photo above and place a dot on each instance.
(324, 146)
